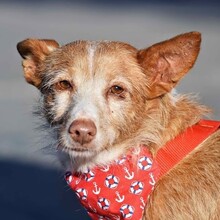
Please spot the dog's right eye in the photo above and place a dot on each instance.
(63, 85)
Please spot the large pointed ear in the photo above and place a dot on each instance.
(167, 62)
(34, 51)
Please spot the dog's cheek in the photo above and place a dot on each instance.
(61, 105)
(55, 106)
(127, 116)
(119, 116)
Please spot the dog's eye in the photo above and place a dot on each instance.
(116, 90)
(63, 85)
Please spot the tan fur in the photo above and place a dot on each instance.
(77, 82)
(190, 190)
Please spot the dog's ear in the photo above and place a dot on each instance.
(167, 62)
(34, 51)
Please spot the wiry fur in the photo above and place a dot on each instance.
(76, 83)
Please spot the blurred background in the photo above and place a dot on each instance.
(31, 184)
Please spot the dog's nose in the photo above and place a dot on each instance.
(82, 131)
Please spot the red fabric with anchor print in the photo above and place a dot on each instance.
(120, 190)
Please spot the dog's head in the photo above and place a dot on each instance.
(98, 94)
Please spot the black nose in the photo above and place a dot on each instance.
(82, 131)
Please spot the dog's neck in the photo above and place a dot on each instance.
(173, 114)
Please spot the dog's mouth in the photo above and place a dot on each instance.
(74, 149)
(78, 149)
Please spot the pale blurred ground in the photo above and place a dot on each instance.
(30, 187)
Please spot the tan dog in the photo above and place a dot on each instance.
(102, 98)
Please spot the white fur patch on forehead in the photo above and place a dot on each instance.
(91, 51)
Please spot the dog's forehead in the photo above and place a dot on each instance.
(92, 55)
(84, 60)
(104, 46)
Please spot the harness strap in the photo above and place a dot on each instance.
(174, 151)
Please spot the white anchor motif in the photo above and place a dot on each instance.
(119, 197)
(152, 181)
(97, 189)
(78, 180)
(143, 203)
(105, 168)
(129, 176)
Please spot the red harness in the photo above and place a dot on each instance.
(121, 189)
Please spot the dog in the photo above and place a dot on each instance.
(107, 103)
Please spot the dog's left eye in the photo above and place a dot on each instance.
(116, 90)
(63, 85)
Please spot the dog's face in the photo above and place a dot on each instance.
(97, 95)
(90, 94)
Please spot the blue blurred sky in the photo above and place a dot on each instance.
(140, 23)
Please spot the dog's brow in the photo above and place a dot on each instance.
(54, 76)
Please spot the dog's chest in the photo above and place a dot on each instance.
(119, 190)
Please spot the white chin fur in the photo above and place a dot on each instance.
(81, 154)
(82, 161)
